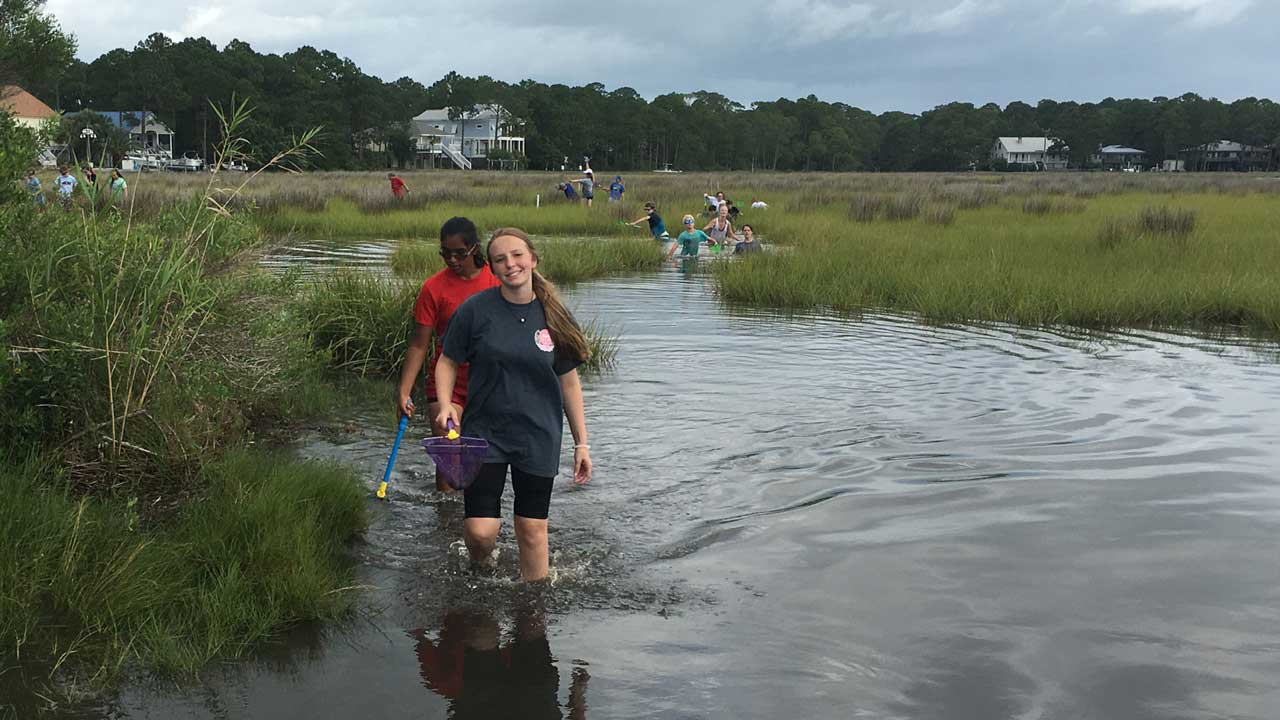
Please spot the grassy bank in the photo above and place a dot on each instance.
(88, 588)
(141, 357)
(1129, 260)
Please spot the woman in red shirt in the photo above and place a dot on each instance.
(465, 274)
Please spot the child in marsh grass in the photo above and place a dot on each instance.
(720, 228)
(616, 188)
(36, 189)
(524, 348)
(569, 193)
(656, 226)
(398, 188)
(66, 183)
(465, 274)
(119, 188)
(690, 241)
(748, 243)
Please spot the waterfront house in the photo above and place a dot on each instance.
(1227, 156)
(1042, 153)
(1119, 157)
(463, 141)
(26, 109)
(29, 112)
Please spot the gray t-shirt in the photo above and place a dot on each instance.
(513, 389)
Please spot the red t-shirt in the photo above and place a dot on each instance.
(440, 296)
(397, 187)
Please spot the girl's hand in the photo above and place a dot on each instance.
(447, 413)
(404, 404)
(581, 466)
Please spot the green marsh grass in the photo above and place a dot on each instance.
(1098, 268)
(84, 583)
(563, 260)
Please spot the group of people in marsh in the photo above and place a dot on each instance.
(587, 183)
(717, 234)
(505, 370)
(66, 185)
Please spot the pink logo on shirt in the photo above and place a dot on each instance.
(543, 339)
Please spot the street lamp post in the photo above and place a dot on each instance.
(88, 135)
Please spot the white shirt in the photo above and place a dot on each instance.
(66, 184)
(759, 204)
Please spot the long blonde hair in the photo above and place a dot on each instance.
(568, 337)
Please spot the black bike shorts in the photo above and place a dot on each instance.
(483, 497)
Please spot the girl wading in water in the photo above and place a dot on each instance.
(464, 275)
(524, 348)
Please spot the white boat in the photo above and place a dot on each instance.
(189, 162)
(667, 169)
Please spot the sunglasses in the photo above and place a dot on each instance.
(459, 254)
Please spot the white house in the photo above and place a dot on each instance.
(1119, 157)
(471, 137)
(25, 108)
(1042, 152)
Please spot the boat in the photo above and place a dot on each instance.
(667, 169)
(189, 162)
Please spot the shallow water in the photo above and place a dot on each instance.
(820, 517)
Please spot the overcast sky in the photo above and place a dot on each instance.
(876, 54)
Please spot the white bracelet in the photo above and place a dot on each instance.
(583, 446)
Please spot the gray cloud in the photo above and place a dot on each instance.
(877, 54)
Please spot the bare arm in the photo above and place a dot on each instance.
(571, 391)
(446, 376)
(414, 357)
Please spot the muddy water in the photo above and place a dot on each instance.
(817, 517)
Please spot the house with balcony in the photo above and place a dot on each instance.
(1119, 157)
(1041, 153)
(1227, 156)
(462, 142)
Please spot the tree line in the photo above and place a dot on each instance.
(365, 119)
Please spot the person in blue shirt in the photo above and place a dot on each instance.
(690, 241)
(656, 226)
(569, 193)
(37, 192)
(616, 188)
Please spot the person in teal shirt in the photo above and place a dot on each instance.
(690, 240)
(119, 188)
(36, 190)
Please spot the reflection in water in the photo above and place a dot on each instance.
(468, 662)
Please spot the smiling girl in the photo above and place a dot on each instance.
(524, 348)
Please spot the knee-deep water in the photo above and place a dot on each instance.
(812, 516)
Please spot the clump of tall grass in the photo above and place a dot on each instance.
(866, 208)
(1171, 222)
(1042, 205)
(903, 207)
(415, 259)
(943, 215)
(1114, 233)
(360, 322)
(603, 344)
(970, 196)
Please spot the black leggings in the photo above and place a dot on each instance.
(483, 497)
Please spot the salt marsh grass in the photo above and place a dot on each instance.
(1133, 259)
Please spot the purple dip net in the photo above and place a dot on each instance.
(458, 460)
